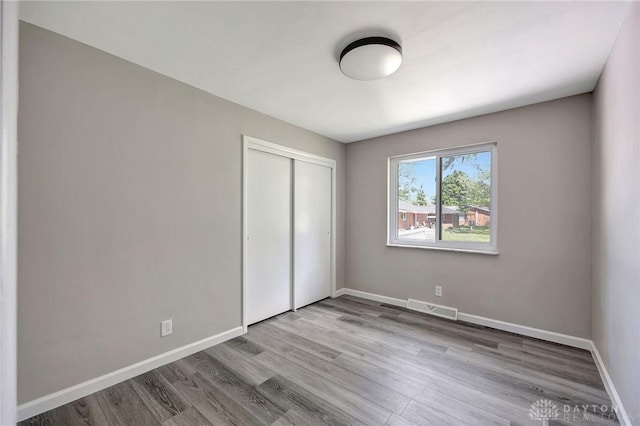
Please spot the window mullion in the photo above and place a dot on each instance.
(438, 206)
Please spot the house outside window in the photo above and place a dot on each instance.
(451, 196)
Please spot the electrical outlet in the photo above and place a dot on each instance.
(439, 290)
(166, 327)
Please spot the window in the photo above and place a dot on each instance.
(452, 196)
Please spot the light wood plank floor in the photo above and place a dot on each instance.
(353, 361)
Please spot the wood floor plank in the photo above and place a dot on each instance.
(189, 417)
(382, 395)
(50, 417)
(375, 342)
(458, 409)
(292, 418)
(214, 404)
(354, 404)
(431, 339)
(360, 331)
(457, 328)
(522, 381)
(580, 374)
(511, 409)
(534, 377)
(358, 307)
(320, 333)
(313, 409)
(473, 367)
(234, 386)
(85, 411)
(428, 416)
(502, 381)
(361, 349)
(319, 312)
(527, 352)
(350, 306)
(104, 404)
(176, 371)
(158, 395)
(361, 301)
(243, 345)
(240, 363)
(354, 311)
(386, 328)
(557, 348)
(418, 380)
(360, 362)
(442, 330)
(396, 420)
(122, 405)
(383, 376)
(301, 342)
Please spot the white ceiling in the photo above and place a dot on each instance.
(461, 59)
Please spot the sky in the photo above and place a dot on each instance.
(425, 171)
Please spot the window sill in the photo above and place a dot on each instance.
(459, 250)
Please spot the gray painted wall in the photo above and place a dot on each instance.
(616, 215)
(130, 211)
(542, 276)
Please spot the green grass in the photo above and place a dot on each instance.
(479, 234)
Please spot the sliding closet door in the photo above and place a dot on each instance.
(268, 234)
(312, 233)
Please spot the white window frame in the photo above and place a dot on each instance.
(392, 201)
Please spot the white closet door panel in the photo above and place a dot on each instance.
(312, 236)
(268, 281)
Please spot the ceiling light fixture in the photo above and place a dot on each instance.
(371, 58)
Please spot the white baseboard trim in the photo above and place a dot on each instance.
(550, 336)
(609, 386)
(375, 297)
(339, 292)
(64, 396)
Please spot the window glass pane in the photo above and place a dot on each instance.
(416, 199)
(466, 197)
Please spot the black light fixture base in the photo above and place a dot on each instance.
(370, 40)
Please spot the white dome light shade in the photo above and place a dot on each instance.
(371, 58)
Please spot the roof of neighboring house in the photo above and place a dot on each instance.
(450, 209)
(405, 206)
(484, 209)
